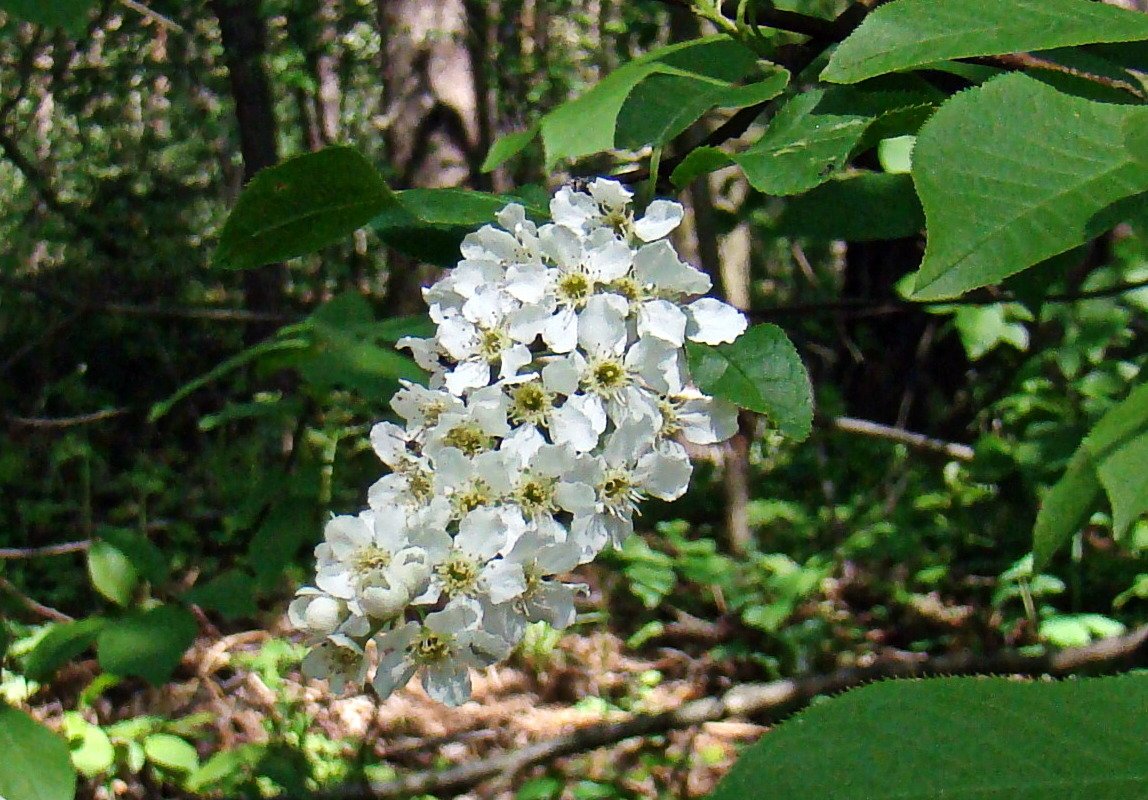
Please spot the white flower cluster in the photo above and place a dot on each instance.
(559, 391)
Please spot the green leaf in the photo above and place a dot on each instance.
(911, 33)
(858, 208)
(507, 147)
(112, 573)
(667, 102)
(71, 15)
(1000, 196)
(801, 148)
(958, 739)
(1136, 139)
(91, 749)
(279, 344)
(227, 767)
(290, 522)
(231, 593)
(760, 371)
(35, 764)
(60, 645)
(300, 206)
(430, 224)
(1111, 457)
(149, 644)
(148, 560)
(171, 752)
(587, 124)
(700, 161)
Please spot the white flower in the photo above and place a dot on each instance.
(446, 645)
(338, 659)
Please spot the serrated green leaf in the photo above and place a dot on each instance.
(801, 148)
(587, 124)
(149, 644)
(300, 206)
(91, 750)
(507, 147)
(35, 764)
(960, 739)
(171, 752)
(71, 15)
(60, 645)
(859, 208)
(762, 372)
(1001, 196)
(112, 573)
(1136, 139)
(911, 33)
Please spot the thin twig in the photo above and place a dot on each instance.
(155, 16)
(916, 441)
(48, 550)
(764, 702)
(37, 608)
(65, 422)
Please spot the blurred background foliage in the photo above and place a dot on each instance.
(187, 429)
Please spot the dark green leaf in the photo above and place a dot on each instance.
(300, 206)
(665, 103)
(430, 224)
(149, 644)
(1000, 196)
(231, 593)
(112, 572)
(35, 763)
(60, 645)
(858, 208)
(911, 33)
(71, 15)
(958, 739)
(1136, 139)
(700, 161)
(147, 559)
(802, 147)
(760, 371)
(290, 523)
(587, 124)
(1111, 457)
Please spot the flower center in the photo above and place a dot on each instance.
(574, 289)
(430, 647)
(459, 575)
(629, 289)
(468, 437)
(530, 403)
(618, 491)
(606, 377)
(432, 410)
(535, 495)
(671, 423)
(371, 559)
(476, 495)
(491, 344)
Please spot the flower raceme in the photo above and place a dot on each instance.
(558, 397)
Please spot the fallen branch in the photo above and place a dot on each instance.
(65, 422)
(36, 608)
(766, 703)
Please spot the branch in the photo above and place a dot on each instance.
(48, 550)
(37, 608)
(64, 422)
(766, 702)
(916, 441)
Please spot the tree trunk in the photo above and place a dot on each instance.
(244, 35)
